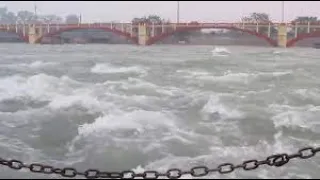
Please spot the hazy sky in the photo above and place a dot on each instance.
(124, 11)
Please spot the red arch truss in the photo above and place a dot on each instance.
(184, 29)
(20, 35)
(302, 36)
(106, 29)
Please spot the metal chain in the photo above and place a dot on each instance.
(276, 160)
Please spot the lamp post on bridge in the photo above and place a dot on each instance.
(178, 11)
(35, 11)
(282, 11)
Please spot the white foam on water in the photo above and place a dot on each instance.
(17, 146)
(313, 94)
(137, 85)
(105, 68)
(61, 92)
(221, 154)
(234, 77)
(256, 92)
(305, 117)
(230, 76)
(132, 83)
(138, 120)
(38, 64)
(215, 106)
(83, 99)
(21, 56)
(153, 129)
(193, 73)
(276, 74)
(220, 51)
(149, 128)
(40, 86)
(226, 77)
(32, 65)
(278, 52)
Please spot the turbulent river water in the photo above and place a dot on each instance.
(123, 107)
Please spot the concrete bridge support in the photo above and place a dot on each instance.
(34, 34)
(143, 35)
(282, 35)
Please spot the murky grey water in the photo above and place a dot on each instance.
(142, 108)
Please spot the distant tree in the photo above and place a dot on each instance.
(154, 19)
(305, 19)
(10, 18)
(3, 14)
(194, 22)
(25, 17)
(7, 17)
(256, 17)
(138, 20)
(260, 17)
(72, 19)
(3, 10)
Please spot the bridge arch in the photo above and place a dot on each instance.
(20, 35)
(153, 40)
(106, 29)
(303, 36)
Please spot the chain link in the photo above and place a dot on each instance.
(276, 160)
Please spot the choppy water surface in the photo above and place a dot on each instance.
(153, 108)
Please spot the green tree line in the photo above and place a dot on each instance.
(27, 17)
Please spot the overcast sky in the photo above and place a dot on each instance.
(124, 11)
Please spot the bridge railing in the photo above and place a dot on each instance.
(181, 24)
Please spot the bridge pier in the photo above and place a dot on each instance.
(34, 34)
(143, 35)
(282, 35)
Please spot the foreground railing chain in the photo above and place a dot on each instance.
(198, 171)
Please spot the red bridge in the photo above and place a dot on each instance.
(276, 34)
